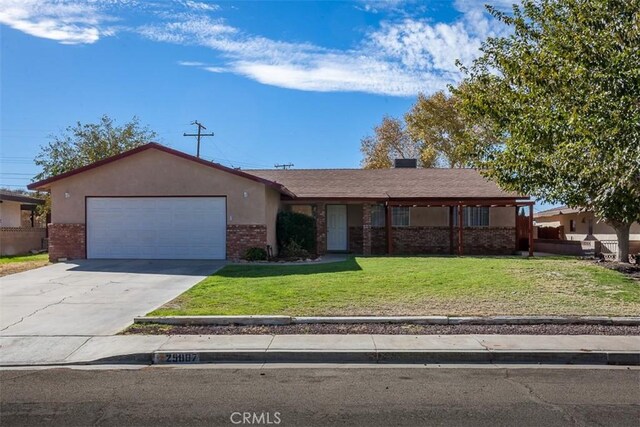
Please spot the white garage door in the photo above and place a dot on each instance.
(156, 227)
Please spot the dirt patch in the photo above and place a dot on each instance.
(17, 267)
(627, 269)
(385, 329)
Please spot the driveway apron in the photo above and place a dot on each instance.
(92, 297)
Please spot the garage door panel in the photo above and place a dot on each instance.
(156, 228)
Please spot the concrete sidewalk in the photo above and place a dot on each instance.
(588, 349)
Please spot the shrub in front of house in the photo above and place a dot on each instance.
(255, 254)
(293, 250)
(294, 227)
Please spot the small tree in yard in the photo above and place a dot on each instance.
(84, 144)
(564, 91)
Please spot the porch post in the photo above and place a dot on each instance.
(389, 229)
(531, 229)
(366, 229)
(460, 228)
(517, 235)
(321, 228)
(451, 252)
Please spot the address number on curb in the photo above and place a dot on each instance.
(179, 358)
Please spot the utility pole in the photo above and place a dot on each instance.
(199, 134)
(284, 166)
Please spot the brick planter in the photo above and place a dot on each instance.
(66, 241)
(241, 237)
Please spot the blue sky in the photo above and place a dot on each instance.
(295, 82)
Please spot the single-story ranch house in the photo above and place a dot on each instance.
(156, 202)
(580, 229)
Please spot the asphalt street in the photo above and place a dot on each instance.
(359, 396)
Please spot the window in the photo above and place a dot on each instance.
(400, 216)
(377, 216)
(473, 216)
(572, 225)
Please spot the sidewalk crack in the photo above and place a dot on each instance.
(479, 341)
(270, 342)
(78, 348)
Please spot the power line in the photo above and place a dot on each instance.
(284, 166)
(199, 134)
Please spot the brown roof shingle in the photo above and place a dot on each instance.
(562, 210)
(385, 183)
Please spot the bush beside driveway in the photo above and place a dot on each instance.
(478, 286)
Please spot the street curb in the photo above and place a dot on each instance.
(165, 357)
(182, 357)
(417, 320)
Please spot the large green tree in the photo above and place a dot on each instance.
(440, 129)
(390, 140)
(563, 89)
(434, 131)
(82, 144)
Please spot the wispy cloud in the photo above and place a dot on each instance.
(402, 56)
(199, 5)
(191, 63)
(66, 22)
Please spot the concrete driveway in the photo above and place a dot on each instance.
(92, 297)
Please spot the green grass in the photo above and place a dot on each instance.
(414, 286)
(23, 258)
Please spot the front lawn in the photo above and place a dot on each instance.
(414, 286)
(18, 263)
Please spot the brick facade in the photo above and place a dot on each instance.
(435, 240)
(421, 240)
(321, 228)
(366, 229)
(241, 237)
(489, 241)
(66, 241)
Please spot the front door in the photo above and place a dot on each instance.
(336, 227)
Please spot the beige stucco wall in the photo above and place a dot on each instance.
(601, 230)
(156, 173)
(434, 217)
(273, 205)
(10, 214)
(502, 217)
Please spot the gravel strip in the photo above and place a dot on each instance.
(385, 329)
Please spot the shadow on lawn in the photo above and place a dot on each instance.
(255, 271)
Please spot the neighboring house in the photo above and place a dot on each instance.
(578, 225)
(156, 202)
(20, 232)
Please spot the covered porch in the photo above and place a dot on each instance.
(425, 226)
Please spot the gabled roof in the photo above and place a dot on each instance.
(380, 184)
(370, 184)
(21, 198)
(562, 210)
(44, 184)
